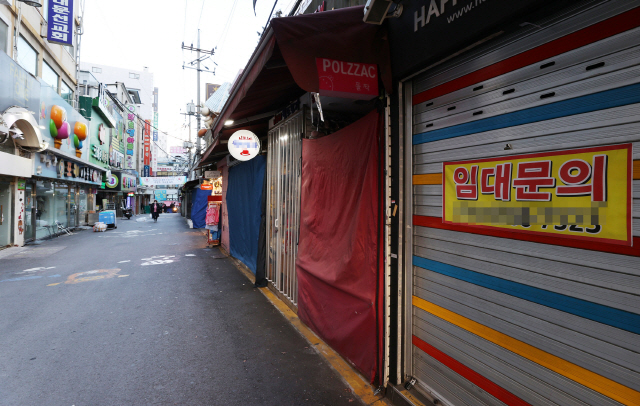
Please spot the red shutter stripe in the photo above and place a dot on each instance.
(604, 29)
(472, 376)
(436, 222)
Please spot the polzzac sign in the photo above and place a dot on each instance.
(60, 25)
(244, 145)
(580, 194)
(347, 79)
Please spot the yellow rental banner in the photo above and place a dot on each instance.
(578, 194)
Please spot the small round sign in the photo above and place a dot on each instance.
(244, 145)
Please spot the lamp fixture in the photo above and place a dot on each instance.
(228, 122)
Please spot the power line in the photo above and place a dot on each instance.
(142, 120)
(201, 10)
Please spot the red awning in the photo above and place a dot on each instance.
(340, 35)
(283, 66)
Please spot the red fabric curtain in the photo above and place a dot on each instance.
(337, 264)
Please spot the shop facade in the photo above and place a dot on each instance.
(274, 205)
(20, 138)
(64, 179)
(514, 288)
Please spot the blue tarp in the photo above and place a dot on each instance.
(199, 207)
(244, 199)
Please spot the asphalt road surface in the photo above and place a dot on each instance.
(147, 315)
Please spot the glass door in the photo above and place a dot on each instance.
(6, 214)
(28, 219)
(72, 208)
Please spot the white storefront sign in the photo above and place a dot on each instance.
(244, 145)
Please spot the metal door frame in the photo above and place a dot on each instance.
(284, 164)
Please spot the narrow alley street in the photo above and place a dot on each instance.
(147, 315)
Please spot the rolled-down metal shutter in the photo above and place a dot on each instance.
(497, 320)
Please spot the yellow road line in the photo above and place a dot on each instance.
(53, 284)
(358, 385)
(428, 179)
(598, 383)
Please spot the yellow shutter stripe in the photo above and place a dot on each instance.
(428, 179)
(598, 383)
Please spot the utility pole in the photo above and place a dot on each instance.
(198, 108)
(202, 54)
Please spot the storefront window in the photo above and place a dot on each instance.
(51, 205)
(6, 213)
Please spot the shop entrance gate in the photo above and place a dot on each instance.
(486, 320)
(283, 204)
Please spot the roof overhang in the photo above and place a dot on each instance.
(283, 66)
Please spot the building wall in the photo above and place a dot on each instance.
(60, 58)
(143, 83)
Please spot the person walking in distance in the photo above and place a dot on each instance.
(156, 208)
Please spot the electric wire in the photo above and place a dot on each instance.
(201, 10)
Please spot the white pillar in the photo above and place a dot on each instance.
(19, 215)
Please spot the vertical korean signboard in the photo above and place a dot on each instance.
(147, 149)
(130, 137)
(582, 194)
(154, 155)
(60, 27)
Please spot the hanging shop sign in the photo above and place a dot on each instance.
(578, 194)
(161, 195)
(116, 159)
(99, 152)
(60, 27)
(212, 174)
(428, 30)
(244, 145)
(128, 182)
(146, 171)
(347, 79)
(111, 181)
(104, 106)
(130, 138)
(163, 180)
